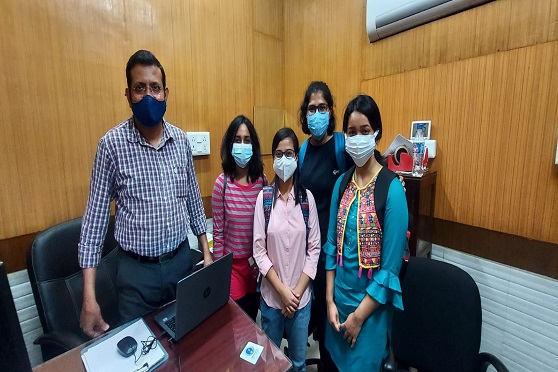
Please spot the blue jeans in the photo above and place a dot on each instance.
(274, 323)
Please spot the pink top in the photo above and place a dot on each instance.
(286, 245)
(233, 221)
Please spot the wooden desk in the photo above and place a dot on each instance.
(421, 195)
(215, 345)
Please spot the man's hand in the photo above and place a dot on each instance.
(91, 321)
(207, 260)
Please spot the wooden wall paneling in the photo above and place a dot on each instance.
(490, 28)
(221, 50)
(181, 89)
(65, 61)
(323, 41)
(523, 31)
(553, 29)
(267, 122)
(492, 124)
(269, 70)
(268, 17)
(539, 119)
(207, 81)
(55, 70)
(268, 167)
(493, 26)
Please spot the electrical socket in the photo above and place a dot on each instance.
(199, 142)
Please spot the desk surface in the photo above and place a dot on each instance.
(215, 345)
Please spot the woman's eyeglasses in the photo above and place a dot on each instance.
(289, 154)
(321, 108)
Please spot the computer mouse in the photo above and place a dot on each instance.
(127, 346)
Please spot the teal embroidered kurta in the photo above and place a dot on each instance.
(350, 289)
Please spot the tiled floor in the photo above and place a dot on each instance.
(312, 352)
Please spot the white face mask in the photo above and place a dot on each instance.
(284, 167)
(361, 147)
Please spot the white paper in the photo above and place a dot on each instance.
(251, 352)
(104, 355)
(399, 141)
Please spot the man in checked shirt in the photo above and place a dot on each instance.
(145, 165)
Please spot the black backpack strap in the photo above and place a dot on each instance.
(381, 191)
(345, 180)
(305, 207)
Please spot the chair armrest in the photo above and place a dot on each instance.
(61, 340)
(486, 359)
(389, 363)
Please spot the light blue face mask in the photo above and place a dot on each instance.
(317, 124)
(242, 153)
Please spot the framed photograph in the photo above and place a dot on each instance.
(426, 125)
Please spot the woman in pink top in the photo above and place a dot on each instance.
(286, 249)
(233, 199)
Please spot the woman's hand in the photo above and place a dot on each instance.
(333, 316)
(402, 182)
(352, 327)
(290, 301)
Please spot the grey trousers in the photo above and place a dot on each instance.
(143, 287)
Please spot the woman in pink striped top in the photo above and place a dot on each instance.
(233, 200)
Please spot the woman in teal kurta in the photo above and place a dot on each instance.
(363, 259)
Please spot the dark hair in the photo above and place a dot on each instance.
(317, 87)
(368, 107)
(282, 134)
(146, 58)
(255, 165)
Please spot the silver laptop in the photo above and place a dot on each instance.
(198, 296)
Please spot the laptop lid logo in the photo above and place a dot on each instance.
(206, 292)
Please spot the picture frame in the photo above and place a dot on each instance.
(427, 124)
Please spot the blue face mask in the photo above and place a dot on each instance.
(242, 153)
(149, 111)
(317, 124)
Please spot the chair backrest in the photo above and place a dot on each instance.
(57, 281)
(440, 328)
(13, 353)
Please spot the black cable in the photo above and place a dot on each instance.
(147, 345)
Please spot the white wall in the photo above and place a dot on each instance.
(519, 310)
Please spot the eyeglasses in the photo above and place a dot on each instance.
(289, 154)
(321, 108)
(155, 89)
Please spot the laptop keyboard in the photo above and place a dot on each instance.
(171, 323)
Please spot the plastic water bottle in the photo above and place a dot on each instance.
(418, 152)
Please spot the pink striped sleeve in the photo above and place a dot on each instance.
(218, 211)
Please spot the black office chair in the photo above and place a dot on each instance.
(440, 328)
(57, 282)
(13, 353)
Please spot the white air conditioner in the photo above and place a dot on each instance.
(389, 17)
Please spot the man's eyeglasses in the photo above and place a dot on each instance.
(155, 89)
(289, 154)
(322, 108)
